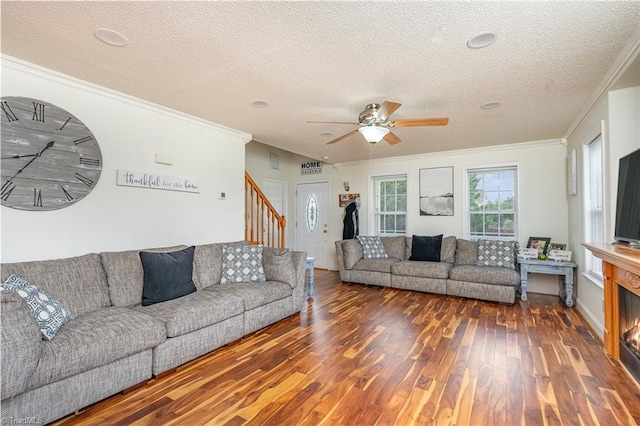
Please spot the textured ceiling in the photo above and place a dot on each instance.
(327, 60)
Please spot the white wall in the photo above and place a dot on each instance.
(619, 114)
(542, 174)
(130, 132)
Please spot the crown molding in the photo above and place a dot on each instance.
(22, 66)
(624, 60)
(512, 146)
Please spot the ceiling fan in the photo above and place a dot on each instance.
(374, 123)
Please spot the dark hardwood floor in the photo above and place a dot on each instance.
(364, 355)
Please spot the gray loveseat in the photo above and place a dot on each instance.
(456, 274)
(113, 342)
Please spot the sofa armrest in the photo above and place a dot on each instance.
(21, 340)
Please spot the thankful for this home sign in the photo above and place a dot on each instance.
(149, 180)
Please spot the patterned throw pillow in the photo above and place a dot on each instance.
(496, 253)
(372, 247)
(242, 264)
(50, 313)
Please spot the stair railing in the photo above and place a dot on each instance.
(263, 225)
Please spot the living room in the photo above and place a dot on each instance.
(138, 133)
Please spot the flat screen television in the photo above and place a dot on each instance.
(628, 204)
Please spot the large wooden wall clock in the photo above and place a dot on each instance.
(50, 159)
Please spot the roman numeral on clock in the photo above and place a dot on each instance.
(83, 140)
(84, 179)
(7, 189)
(37, 197)
(38, 112)
(66, 193)
(8, 112)
(89, 161)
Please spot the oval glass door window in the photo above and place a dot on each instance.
(312, 213)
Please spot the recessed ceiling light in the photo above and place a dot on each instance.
(326, 134)
(325, 158)
(111, 37)
(481, 40)
(490, 105)
(260, 104)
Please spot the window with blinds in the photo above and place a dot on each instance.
(390, 208)
(492, 211)
(594, 220)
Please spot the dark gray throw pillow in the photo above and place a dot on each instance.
(426, 248)
(167, 276)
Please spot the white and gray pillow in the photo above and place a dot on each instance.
(372, 247)
(49, 312)
(496, 253)
(242, 264)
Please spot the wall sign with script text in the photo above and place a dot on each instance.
(311, 168)
(149, 180)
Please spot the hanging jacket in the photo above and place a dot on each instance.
(351, 225)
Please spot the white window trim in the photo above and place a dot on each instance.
(371, 221)
(465, 194)
(588, 255)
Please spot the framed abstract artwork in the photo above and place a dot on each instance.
(436, 191)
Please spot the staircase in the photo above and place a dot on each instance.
(262, 224)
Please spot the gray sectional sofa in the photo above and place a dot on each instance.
(114, 343)
(457, 273)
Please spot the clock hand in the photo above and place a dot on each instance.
(19, 156)
(49, 145)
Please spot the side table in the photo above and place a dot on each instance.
(309, 267)
(563, 269)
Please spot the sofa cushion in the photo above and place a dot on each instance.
(426, 248)
(447, 251)
(278, 265)
(94, 339)
(207, 263)
(353, 252)
(48, 312)
(485, 274)
(372, 247)
(376, 265)
(254, 295)
(20, 344)
(242, 264)
(167, 276)
(496, 253)
(194, 311)
(126, 276)
(394, 246)
(412, 268)
(466, 252)
(78, 282)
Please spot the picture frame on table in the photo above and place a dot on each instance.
(540, 243)
(556, 246)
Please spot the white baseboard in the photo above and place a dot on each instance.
(593, 322)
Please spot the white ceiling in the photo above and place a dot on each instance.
(327, 60)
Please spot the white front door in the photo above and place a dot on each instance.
(312, 221)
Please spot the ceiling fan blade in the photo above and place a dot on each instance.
(338, 139)
(391, 138)
(413, 122)
(333, 122)
(386, 110)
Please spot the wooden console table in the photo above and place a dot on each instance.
(563, 269)
(621, 267)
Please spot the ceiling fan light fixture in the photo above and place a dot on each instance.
(481, 40)
(373, 134)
